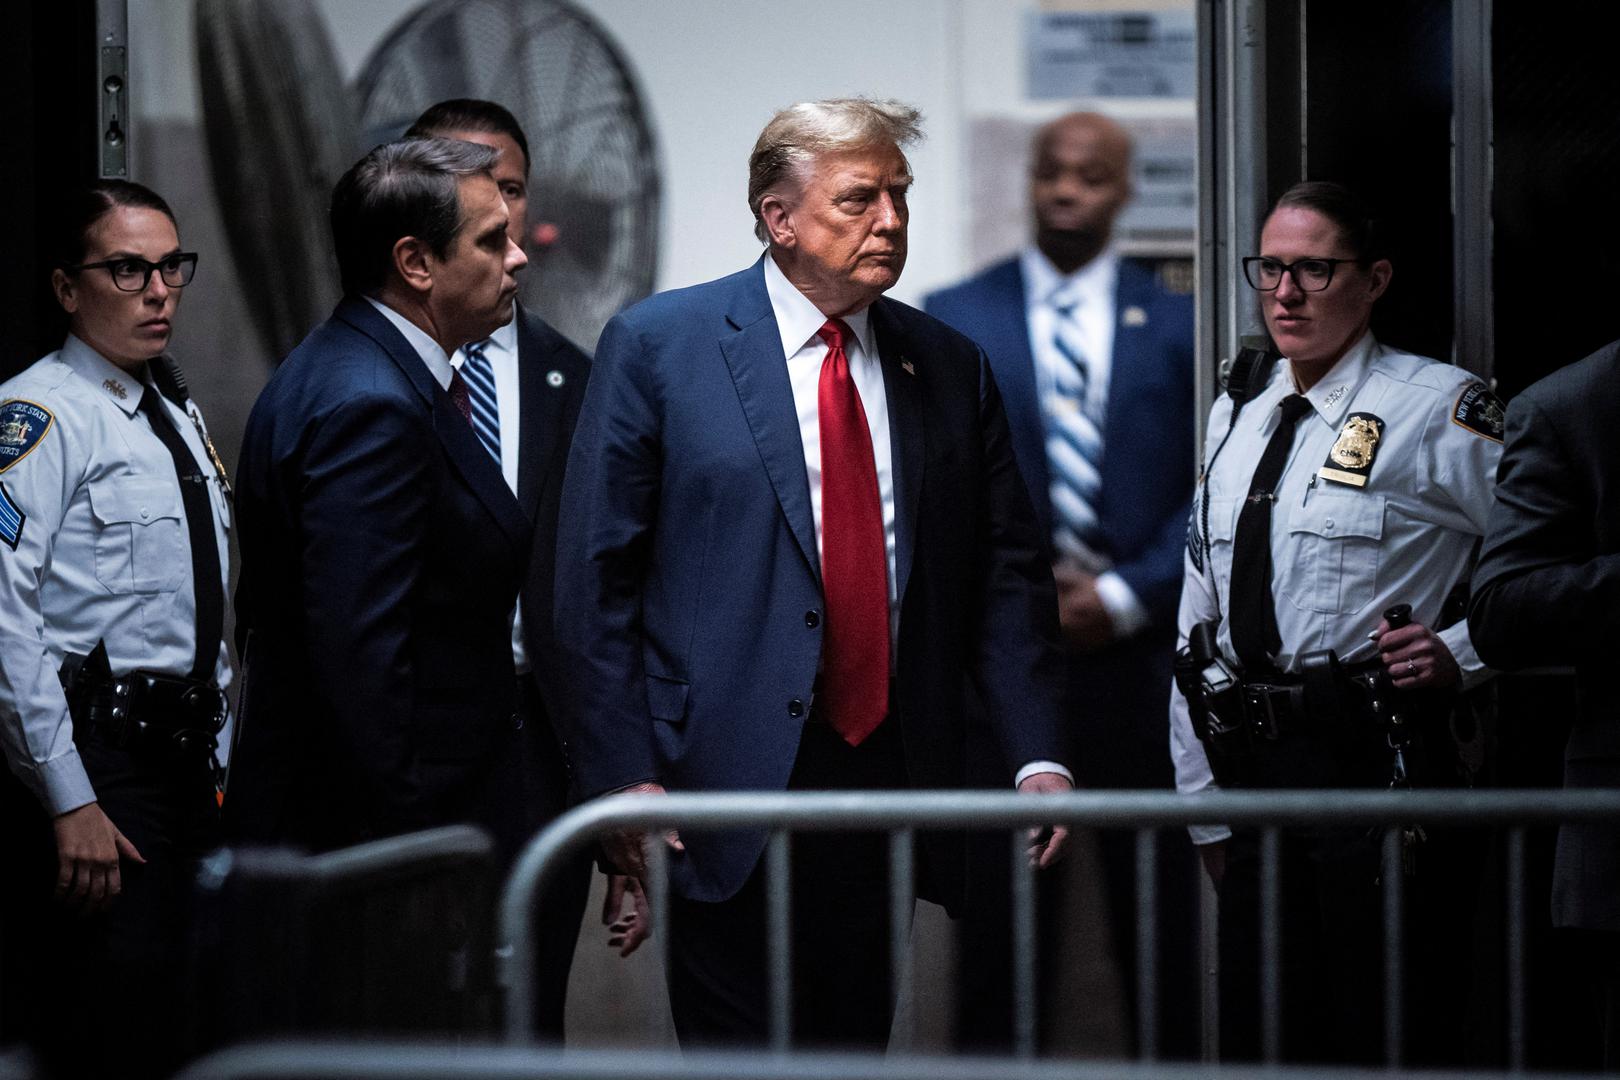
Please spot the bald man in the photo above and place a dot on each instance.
(1094, 357)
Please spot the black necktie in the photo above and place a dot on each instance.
(206, 584)
(1254, 611)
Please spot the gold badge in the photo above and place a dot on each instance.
(115, 388)
(1351, 459)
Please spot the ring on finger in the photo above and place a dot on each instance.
(1411, 667)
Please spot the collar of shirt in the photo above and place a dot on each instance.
(122, 388)
(1092, 284)
(1332, 393)
(504, 339)
(798, 319)
(432, 355)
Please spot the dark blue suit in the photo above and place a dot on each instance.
(382, 554)
(1118, 703)
(688, 591)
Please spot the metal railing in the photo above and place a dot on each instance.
(901, 815)
(408, 1061)
(390, 936)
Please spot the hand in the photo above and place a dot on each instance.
(1214, 859)
(626, 929)
(1046, 847)
(1086, 623)
(1415, 657)
(626, 849)
(88, 846)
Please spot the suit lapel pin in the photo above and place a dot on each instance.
(1133, 316)
(554, 379)
(907, 367)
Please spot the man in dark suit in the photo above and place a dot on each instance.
(1547, 592)
(525, 382)
(793, 533)
(1094, 357)
(382, 552)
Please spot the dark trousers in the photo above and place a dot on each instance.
(840, 930)
(527, 788)
(104, 995)
(1332, 934)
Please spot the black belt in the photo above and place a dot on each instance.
(148, 710)
(1274, 703)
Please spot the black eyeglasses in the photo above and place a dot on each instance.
(1311, 275)
(131, 273)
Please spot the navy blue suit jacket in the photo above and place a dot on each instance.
(552, 373)
(688, 585)
(1147, 471)
(382, 553)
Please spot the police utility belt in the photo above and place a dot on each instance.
(1233, 712)
(143, 711)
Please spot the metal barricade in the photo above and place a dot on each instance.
(406, 1061)
(391, 936)
(901, 815)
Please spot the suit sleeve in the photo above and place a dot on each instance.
(367, 501)
(1154, 571)
(1544, 596)
(1019, 665)
(608, 516)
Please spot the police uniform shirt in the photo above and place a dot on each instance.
(93, 547)
(1350, 537)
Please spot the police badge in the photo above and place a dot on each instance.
(1351, 459)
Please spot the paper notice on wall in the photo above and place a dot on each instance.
(1092, 54)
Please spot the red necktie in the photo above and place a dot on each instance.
(854, 562)
(459, 396)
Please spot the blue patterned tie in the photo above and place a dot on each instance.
(486, 415)
(1073, 437)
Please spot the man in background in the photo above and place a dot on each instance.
(382, 550)
(1094, 358)
(525, 382)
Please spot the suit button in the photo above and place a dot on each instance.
(812, 618)
(795, 708)
(517, 721)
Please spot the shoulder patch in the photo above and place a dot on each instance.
(11, 519)
(22, 425)
(1480, 411)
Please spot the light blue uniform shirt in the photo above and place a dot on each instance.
(102, 554)
(1342, 554)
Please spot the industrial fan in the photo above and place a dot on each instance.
(595, 173)
(281, 128)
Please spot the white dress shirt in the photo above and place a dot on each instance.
(1094, 285)
(797, 321)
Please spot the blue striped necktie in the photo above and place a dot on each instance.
(1073, 436)
(486, 414)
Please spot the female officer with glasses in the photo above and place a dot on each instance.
(114, 514)
(1346, 479)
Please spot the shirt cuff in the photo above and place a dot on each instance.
(61, 784)
(1208, 834)
(1125, 611)
(1039, 767)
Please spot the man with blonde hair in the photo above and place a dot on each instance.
(792, 534)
